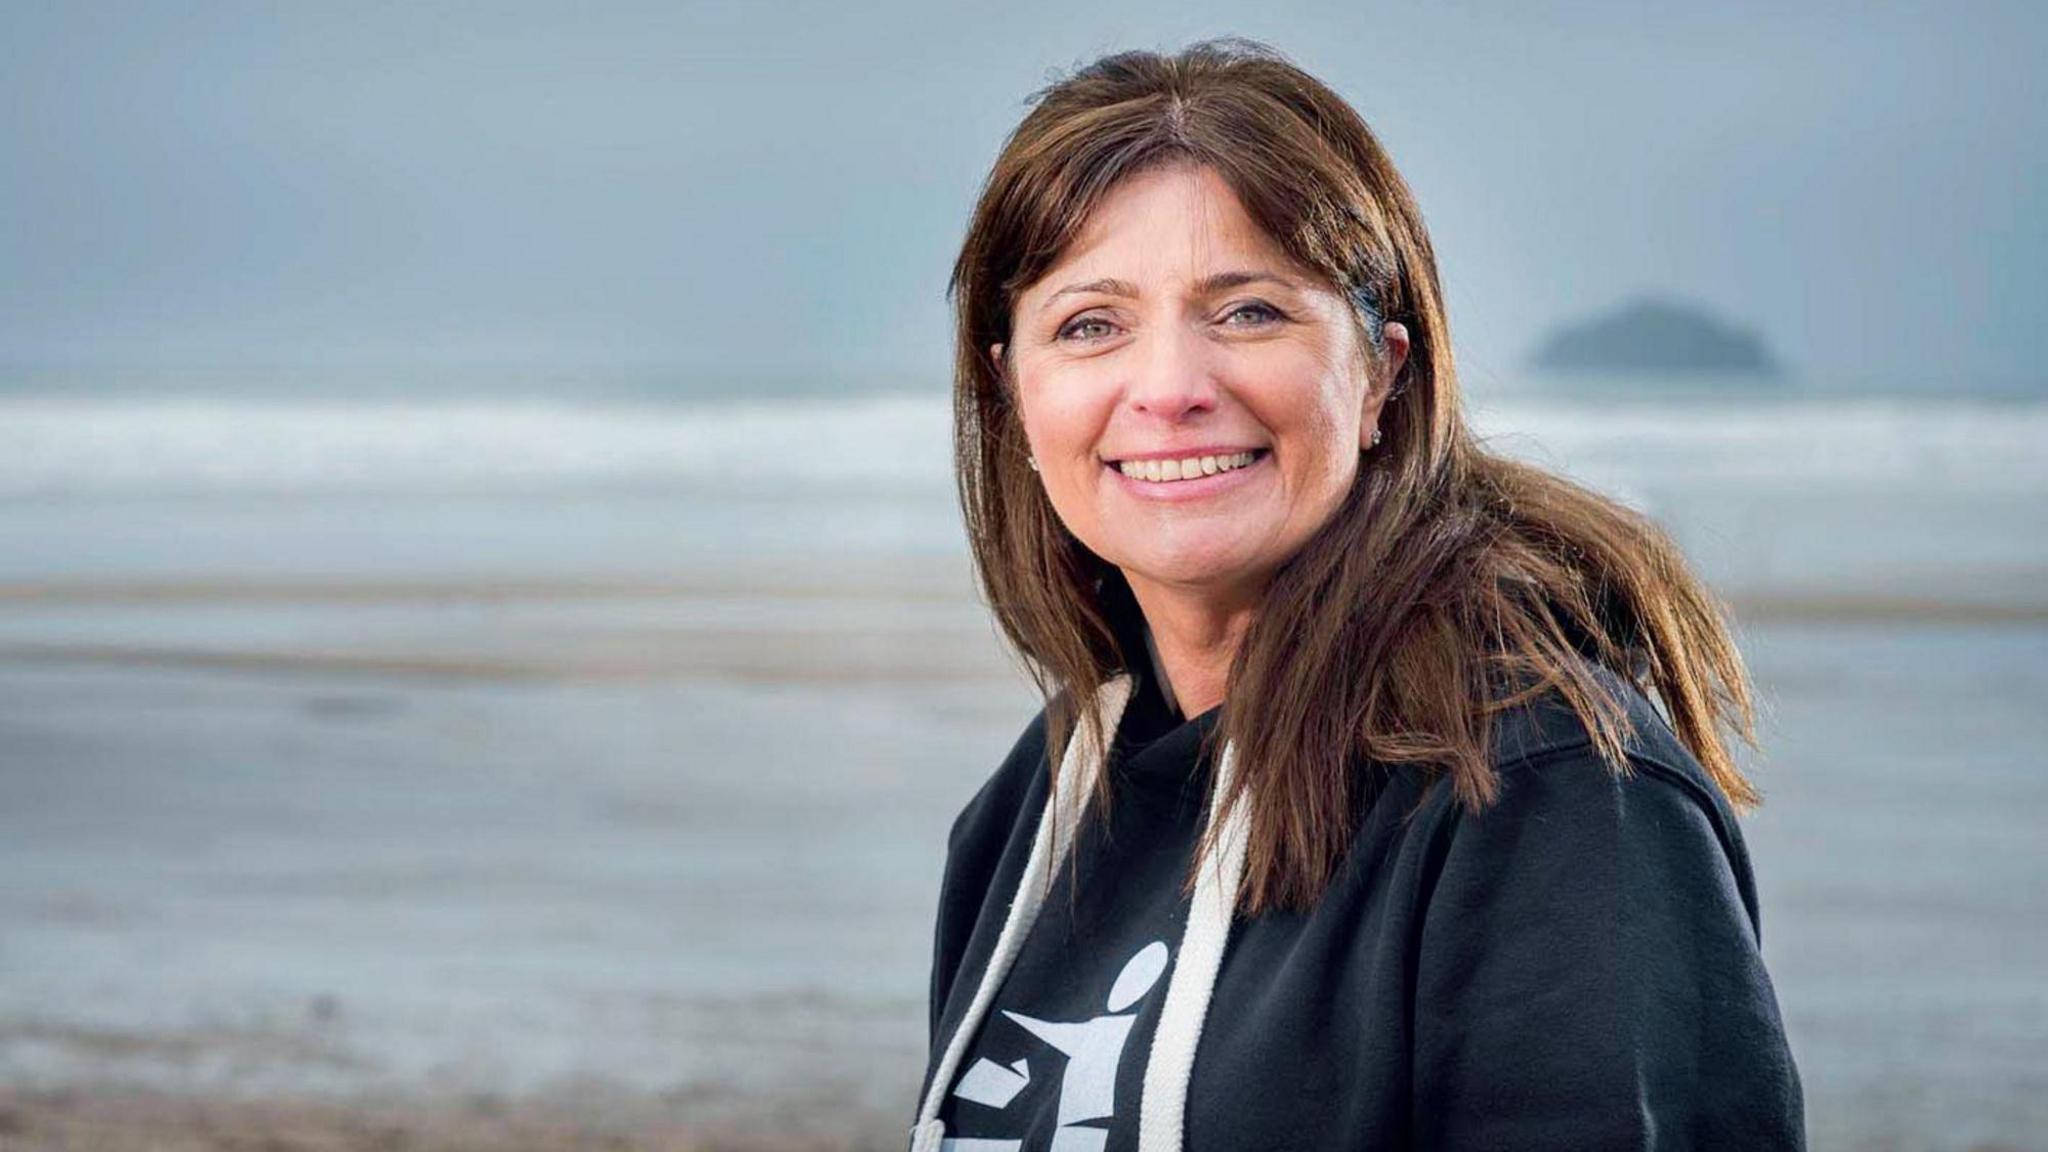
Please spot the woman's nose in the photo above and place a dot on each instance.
(1172, 376)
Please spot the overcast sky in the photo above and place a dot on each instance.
(778, 189)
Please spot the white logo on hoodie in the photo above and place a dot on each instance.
(1093, 1048)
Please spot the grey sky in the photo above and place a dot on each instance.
(779, 190)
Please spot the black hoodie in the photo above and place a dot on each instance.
(1576, 968)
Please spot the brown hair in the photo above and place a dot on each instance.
(1451, 583)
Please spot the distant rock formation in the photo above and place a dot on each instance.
(1658, 337)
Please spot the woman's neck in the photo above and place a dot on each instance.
(1192, 640)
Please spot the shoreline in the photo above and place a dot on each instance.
(2018, 593)
(764, 621)
(586, 1118)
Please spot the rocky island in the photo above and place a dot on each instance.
(1656, 336)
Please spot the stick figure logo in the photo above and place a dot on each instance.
(1094, 1048)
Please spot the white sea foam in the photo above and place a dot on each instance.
(69, 447)
(117, 446)
(1957, 446)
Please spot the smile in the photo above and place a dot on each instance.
(1191, 468)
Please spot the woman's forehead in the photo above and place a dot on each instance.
(1170, 228)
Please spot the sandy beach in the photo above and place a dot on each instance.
(648, 864)
(482, 865)
(592, 1122)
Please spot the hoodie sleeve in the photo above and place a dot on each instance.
(1588, 974)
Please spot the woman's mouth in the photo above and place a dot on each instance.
(1188, 468)
(1188, 478)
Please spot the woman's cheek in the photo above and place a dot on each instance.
(1070, 411)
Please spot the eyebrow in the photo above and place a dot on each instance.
(1220, 282)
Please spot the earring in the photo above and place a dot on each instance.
(1375, 437)
(1033, 461)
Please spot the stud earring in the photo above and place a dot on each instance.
(1033, 461)
(1375, 437)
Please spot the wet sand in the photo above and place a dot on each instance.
(471, 863)
(154, 1122)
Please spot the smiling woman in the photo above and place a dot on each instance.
(1213, 346)
(1404, 854)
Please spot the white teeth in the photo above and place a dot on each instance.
(1168, 471)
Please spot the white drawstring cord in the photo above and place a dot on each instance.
(1162, 1112)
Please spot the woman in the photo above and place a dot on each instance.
(1371, 835)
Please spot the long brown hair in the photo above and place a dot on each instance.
(1450, 584)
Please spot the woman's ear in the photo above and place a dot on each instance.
(1395, 336)
(1001, 370)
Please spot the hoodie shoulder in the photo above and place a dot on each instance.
(993, 810)
(1601, 923)
(997, 822)
(1547, 727)
(1546, 739)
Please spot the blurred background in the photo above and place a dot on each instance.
(487, 654)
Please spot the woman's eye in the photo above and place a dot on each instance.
(1086, 328)
(1253, 313)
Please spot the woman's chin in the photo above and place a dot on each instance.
(1220, 570)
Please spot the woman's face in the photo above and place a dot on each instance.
(1196, 401)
